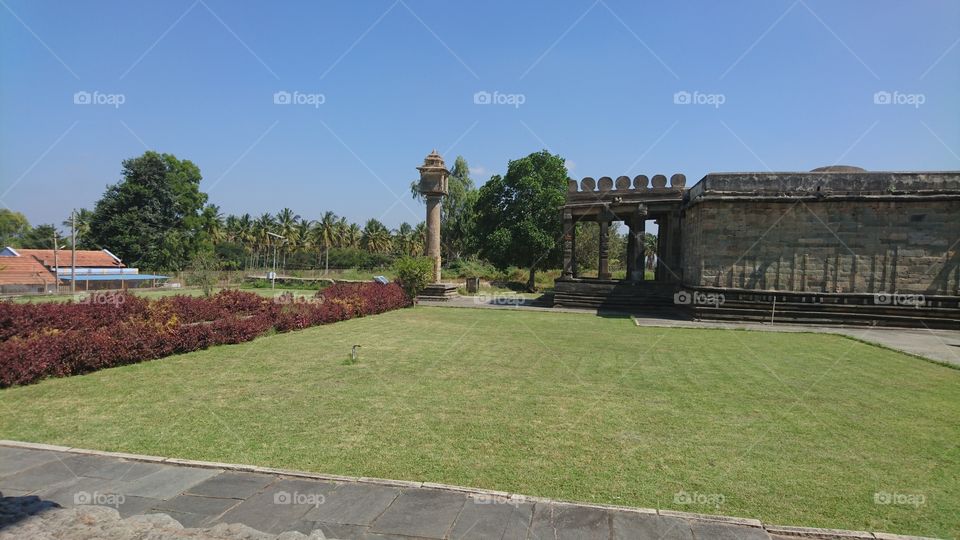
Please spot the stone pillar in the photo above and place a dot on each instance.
(569, 245)
(433, 187)
(602, 270)
(433, 233)
(636, 261)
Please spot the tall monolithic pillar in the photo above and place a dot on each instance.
(433, 186)
(602, 269)
(433, 233)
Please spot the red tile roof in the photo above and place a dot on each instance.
(24, 270)
(85, 258)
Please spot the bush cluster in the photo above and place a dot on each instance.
(61, 339)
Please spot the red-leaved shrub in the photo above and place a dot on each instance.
(61, 339)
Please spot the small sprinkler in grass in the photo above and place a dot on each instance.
(354, 353)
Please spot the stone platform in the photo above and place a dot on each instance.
(439, 291)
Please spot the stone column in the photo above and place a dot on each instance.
(636, 261)
(433, 187)
(433, 233)
(602, 270)
(569, 245)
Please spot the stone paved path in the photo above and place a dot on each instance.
(276, 501)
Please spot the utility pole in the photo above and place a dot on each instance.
(73, 251)
(273, 275)
(56, 259)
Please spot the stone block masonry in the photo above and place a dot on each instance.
(824, 233)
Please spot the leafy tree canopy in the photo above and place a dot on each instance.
(518, 218)
(13, 226)
(151, 218)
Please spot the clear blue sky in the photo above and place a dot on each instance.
(796, 79)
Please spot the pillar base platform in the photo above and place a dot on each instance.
(439, 291)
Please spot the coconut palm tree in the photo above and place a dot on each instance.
(419, 243)
(304, 239)
(375, 237)
(84, 217)
(352, 236)
(325, 233)
(404, 239)
(650, 249)
(287, 228)
(212, 223)
(340, 229)
(263, 224)
(244, 235)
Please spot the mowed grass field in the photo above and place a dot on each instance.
(801, 429)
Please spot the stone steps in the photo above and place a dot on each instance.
(810, 313)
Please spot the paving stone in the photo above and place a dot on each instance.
(14, 460)
(106, 467)
(635, 526)
(132, 505)
(329, 530)
(703, 530)
(266, 511)
(233, 485)
(39, 476)
(354, 504)
(189, 520)
(129, 471)
(193, 504)
(164, 484)
(126, 505)
(420, 512)
(492, 517)
(14, 493)
(561, 521)
(76, 491)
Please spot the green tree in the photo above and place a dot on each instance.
(325, 233)
(376, 237)
(83, 217)
(650, 249)
(518, 216)
(413, 273)
(41, 237)
(151, 218)
(456, 210)
(13, 226)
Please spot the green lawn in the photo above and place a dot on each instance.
(789, 428)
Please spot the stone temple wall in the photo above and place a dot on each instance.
(825, 233)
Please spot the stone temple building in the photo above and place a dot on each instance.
(837, 244)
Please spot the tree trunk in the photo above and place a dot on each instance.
(326, 263)
(531, 283)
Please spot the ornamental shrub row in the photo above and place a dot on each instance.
(62, 339)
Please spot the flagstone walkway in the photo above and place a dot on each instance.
(34, 479)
